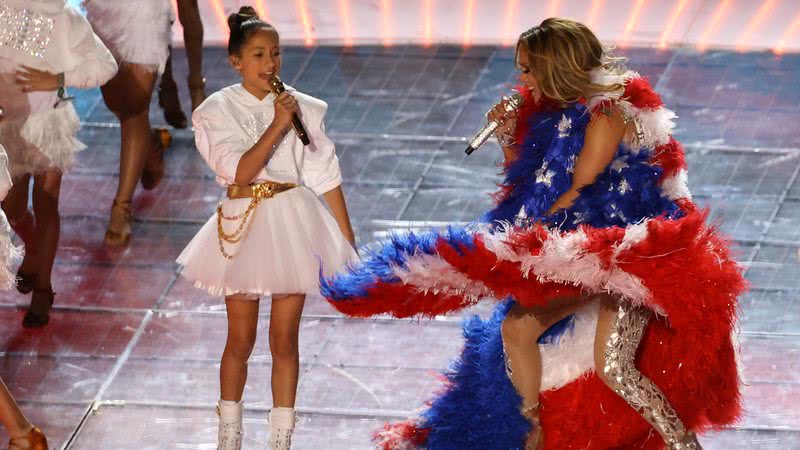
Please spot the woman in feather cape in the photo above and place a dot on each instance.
(619, 300)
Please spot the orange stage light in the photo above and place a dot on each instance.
(596, 4)
(469, 14)
(673, 19)
(386, 13)
(633, 19)
(788, 34)
(427, 39)
(308, 33)
(755, 22)
(552, 10)
(508, 22)
(261, 9)
(722, 9)
(344, 14)
(219, 12)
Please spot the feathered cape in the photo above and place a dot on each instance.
(634, 233)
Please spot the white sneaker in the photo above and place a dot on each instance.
(230, 425)
(281, 428)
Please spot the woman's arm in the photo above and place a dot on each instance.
(505, 132)
(510, 153)
(603, 136)
(338, 206)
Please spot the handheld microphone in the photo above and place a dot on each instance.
(514, 102)
(278, 88)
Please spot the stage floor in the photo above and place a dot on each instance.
(130, 359)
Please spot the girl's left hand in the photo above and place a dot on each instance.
(30, 80)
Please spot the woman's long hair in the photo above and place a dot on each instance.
(562, 54)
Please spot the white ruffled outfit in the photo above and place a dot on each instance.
(8, 251)
(290, 234)
(136, 31)
(45, 35)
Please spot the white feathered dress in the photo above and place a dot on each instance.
(136, 31)
(52, 36)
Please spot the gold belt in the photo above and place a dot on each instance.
(255, 192)
(267, 189)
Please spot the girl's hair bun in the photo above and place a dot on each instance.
(243, 24)
(244, 14)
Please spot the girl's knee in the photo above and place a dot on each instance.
(283, 345)
(240, 345)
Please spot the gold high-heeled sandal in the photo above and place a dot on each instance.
(35, 438)
(120, 213)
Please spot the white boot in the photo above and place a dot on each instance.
(230, 425)
(281, 427)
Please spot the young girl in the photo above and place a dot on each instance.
(47, 46)
(270, 235)
(23, 434)
(622, 300)
(138, 34)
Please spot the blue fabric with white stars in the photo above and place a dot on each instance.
(626, 192)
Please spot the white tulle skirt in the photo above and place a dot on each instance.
(289, 236)
(135, 31)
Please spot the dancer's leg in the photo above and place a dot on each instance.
(521, 330)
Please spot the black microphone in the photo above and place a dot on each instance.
(278, 88)
(513, 104)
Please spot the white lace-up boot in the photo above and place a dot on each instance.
(230, 425)
(281, 427)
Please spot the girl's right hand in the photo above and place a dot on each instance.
(507, 119)
(285, 108)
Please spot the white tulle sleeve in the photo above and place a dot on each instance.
(97, 64)
(321, 172)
